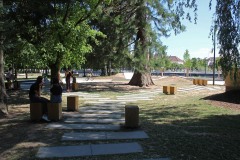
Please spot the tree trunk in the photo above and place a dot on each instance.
(3, 94)
(55, 71)
(84, 72)
(141, 79)
(26, 73)
(109, 68)
(104, 70)
(16, 72)
(219, 72)
(142, 76)
(187, 72)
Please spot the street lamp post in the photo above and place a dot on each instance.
(214, 50)
(205, 62)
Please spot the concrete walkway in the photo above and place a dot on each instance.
(88, 150)
(103, 135)
(102, 114)
(101, 119)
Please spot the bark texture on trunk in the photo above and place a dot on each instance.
(187, 73)
(141, 79)
(3, 94)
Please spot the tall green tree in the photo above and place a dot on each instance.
(187, 62)
(163, 16)
(115, 23)
(227, 26)
(58, 29)
(3, 94)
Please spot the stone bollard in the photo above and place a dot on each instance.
(200, 82)
(74, 86)
(166, 89)
(36, 111)
(131, 116)
(74, 80)
(72, 103)
(195, 81)
(54, 111)
(173, 90)
(204, 82)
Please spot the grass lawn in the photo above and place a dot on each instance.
(183, 126)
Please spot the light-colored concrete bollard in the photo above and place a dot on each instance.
(72, 103)
(36, 111)
(200, 81)
(204, 83)
(173, 90)
(74, 86)
(166, 89)
(131, 116)
(54, 111)
(195, 81)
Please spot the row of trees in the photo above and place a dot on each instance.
(160, 62)
(97, 33)
(91, 34)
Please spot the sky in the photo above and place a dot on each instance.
(196, 39)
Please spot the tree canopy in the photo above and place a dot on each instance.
(227, 26)
(58, 31)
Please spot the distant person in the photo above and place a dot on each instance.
(68, 75)
(10, 78)
(56, 91)
(34, 95)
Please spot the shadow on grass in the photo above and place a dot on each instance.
(213, 137)
(17, 97)
(172, 133)
(230, 97)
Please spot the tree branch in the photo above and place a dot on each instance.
(66, 13)
(88, 15)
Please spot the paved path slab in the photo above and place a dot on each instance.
(120, 148)
(116, 105)
(103, 135)
(104, 102)
(135, 99)
(95, 120)
(118, 100)
(88, 150)
(158, 159)
(94, 98)
(64, 151)
(101, 111)
(78, 115)
(84, 126)
(103, 107)
(81, 120)
(94, 109)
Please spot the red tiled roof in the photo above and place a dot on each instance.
(175, 59)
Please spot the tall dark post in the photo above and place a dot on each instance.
(214, 43)
(205, 67)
